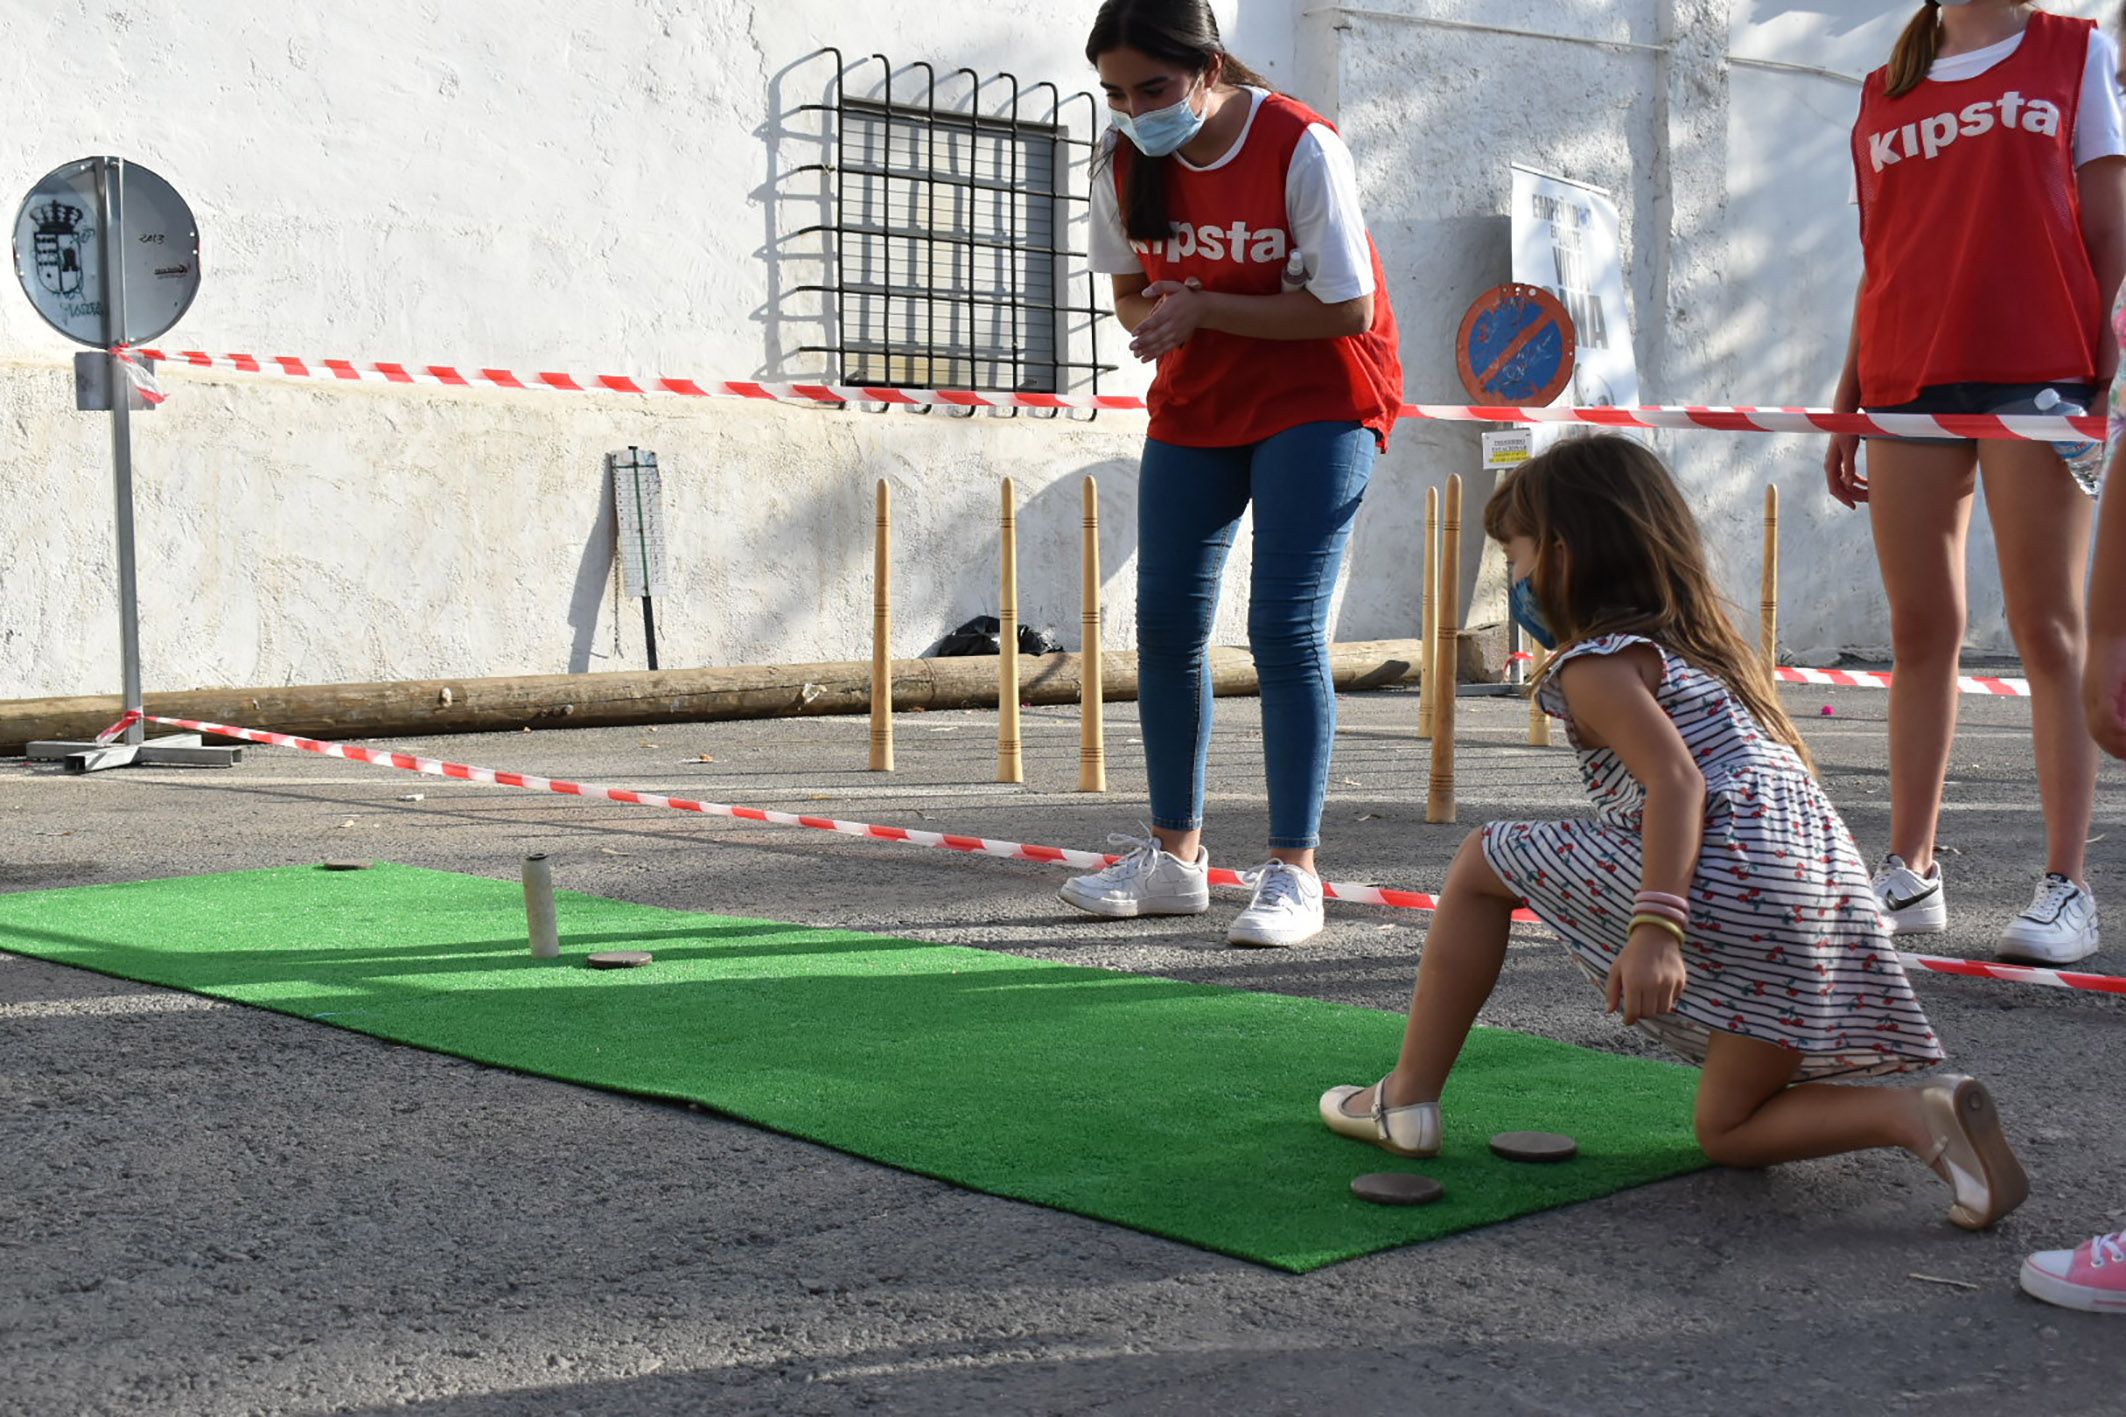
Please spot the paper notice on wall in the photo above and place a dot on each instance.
(1507, 448)
(1565, 239)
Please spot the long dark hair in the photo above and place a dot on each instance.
(1633, 563)
(1183, 32)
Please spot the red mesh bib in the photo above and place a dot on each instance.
(1231, 233)
(1971, 225)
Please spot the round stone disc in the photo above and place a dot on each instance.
(1534, 1146)
(348, 865)
(1396, 1188)
(619, 959)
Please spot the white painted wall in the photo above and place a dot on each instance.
(1729, 166)
(609, 184)
(580, 186)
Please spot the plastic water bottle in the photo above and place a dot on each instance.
(2084, 457)
(1295, 272)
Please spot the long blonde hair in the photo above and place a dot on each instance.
(1916, 48)
(1618, 552)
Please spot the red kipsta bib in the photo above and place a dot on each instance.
(1231, 232)
(1971, 225)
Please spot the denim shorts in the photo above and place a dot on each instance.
(1981, 398)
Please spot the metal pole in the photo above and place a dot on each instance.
(111, 252)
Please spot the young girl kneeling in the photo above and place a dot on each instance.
(1715, 898)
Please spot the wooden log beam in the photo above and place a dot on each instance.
(610, 700)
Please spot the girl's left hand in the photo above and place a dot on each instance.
(1178, 315)
(1647, 980)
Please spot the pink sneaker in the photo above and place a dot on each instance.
(2092, 1278)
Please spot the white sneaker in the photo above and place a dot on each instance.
(1286, 909)
(1146, 881)
(1911, 904)
(2058, 928)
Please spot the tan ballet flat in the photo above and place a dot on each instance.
(1405, 1131)
(1971, 1152)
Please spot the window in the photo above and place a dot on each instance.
(955, 253)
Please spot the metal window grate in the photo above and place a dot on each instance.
(954, 253)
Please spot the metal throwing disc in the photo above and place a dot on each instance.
(348, 865)
(1396, 1188)
(618, 959)
(1534, 1146)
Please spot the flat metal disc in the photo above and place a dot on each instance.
(348, 865)
(1397, 1188)
(619, 959)
(1534, 1146)
(59, 251)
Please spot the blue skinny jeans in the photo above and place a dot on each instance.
(1306, 484)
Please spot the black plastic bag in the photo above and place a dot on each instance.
(984, 635)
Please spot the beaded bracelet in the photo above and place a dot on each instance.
(1660, 922)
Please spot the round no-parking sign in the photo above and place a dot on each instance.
(1515, 347)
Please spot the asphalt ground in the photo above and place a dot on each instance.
(210, 1209)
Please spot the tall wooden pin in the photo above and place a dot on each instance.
(1768, 623)
(1092, 725)
(1446, 657)
(1538, 721)
(1428, 627)
(1010, 766)
(881, 636)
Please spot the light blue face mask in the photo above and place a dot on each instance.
(1161, 131)
(1529, 613)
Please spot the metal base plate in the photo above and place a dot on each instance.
(174, 750)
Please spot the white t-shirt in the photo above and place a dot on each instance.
(2096, 121)
(1321, 204)
(2096, 118)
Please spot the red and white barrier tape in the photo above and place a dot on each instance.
(1008, 850)
(2040, 428)
(1867, 679)
(132, 716)
(140, 376)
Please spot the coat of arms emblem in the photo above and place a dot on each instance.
(56, 247)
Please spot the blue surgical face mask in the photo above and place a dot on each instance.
(1529, 614)
(1161, 131)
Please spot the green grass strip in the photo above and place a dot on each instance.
(1184, 1110)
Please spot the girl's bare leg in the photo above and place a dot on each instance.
(1747, 1115)
(1464, 950)
(1919, 502)
(2041, 524)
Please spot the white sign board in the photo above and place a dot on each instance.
(1507, 448)
(1565, 239)
(59, 251)
(638, 502)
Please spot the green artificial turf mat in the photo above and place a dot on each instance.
(1184, 1110)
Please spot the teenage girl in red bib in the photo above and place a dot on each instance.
(1228, 217)
(1992, 194)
